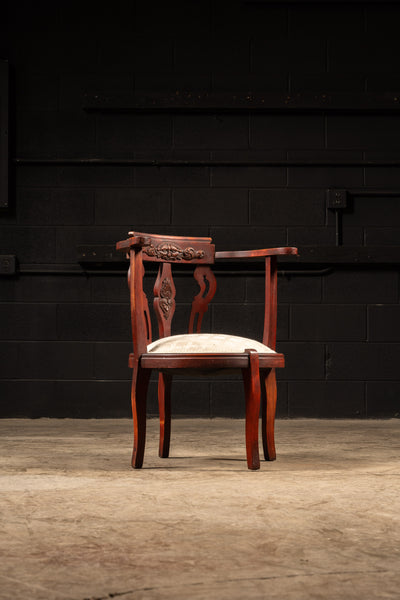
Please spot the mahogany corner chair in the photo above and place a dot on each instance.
(197, 352)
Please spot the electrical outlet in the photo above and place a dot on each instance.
(7, 264)
(337, 199)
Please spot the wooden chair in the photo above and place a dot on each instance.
(197, 352)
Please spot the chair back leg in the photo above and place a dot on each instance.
(140, 382)
(268, 379)
(164, 407)
(252, 388)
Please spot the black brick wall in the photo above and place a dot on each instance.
(65, 337)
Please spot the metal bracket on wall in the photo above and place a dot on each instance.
(337, 201)
(7, 264)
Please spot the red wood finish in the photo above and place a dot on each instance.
(140, 381)
(155, 237)
(170, 248)
(255, 253)
(147, 317)
(139, 306)
(252, 389)
(207, 362)
(164, 299)
(258, 370)
(268, 408)
(208, 286)
(164, 306)
(136, 241)
(164, 407)
(271, 305)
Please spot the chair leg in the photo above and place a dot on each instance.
(268, 413)
(140, 381)
(164, 407)
(251, 380)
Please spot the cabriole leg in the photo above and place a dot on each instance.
(268, 413)
(164, 407)
(140, 381)
(251, 380)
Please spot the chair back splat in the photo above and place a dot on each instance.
(208, 286)
(164, 299)
(194, 352)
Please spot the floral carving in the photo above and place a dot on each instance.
(166, 297)
(166, 288)
(172, 252)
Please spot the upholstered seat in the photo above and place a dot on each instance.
(206, 343)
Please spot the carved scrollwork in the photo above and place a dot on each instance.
(172, 252)
(166, 297)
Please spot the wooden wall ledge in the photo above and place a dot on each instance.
(191, 101)
(329, 255)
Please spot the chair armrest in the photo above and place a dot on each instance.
(270, 307)
(132, 242)
(255, 253)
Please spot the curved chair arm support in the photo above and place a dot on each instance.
(270, 306)
(255, 253)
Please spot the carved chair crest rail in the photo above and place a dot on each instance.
(201, 353)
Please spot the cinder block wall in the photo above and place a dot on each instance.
(65, 336)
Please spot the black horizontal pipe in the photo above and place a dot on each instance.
(201, 163)
(75, 270)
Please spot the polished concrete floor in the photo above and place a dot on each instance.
(78, 523)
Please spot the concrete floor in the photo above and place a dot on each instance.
(320, 522)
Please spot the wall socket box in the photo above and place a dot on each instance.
(337, 199)
(7, 264)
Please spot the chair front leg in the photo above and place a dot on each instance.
(251, 380)
(140, 382)
(164, 407)
(269, 395)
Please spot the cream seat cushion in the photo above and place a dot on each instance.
(205, 343)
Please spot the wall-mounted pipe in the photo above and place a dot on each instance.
(140, 162)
